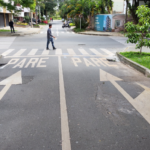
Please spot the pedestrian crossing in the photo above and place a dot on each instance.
(101, 52)
(58, 32)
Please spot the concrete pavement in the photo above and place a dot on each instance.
(71, 98)
(21, 31)
(98, 33)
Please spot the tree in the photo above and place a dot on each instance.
(138, 33)
(133, 7)
(9, 4)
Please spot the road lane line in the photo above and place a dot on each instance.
(95, 51)
(71, 52)
(106, 51)
(7, 52)
(33, 52)
(45, 52)
(83, 52)
(20, 52)
(58, 52)
(66, 144)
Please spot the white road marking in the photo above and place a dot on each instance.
(33, 52)
(95, 51)
(58, 52)
(19, 52)
(14, 79)
(7, 52)
(106, 51)
(71, 52)
(141, 103)
(45, 52)
(83, 52)
(66, 144)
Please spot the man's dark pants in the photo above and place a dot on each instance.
(12, 29)
(48, 41)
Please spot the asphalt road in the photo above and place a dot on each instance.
(71, 98)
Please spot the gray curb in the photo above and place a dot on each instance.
(101, 34)
(135, 65)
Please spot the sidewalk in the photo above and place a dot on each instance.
(132, 48)
(21, 31)
(98, 33)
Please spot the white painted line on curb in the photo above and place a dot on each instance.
(66, 144)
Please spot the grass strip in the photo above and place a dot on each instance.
(3, 30)
(78, 30)
(142, 59)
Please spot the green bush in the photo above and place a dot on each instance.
(42, 18)
(78, 30)
(83, 23)
(71, 24)
(27, 19)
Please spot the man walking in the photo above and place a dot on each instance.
(11, 24)
(50, 37)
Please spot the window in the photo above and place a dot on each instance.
(117, 23)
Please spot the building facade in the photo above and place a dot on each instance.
(5, 16)
(25, 12)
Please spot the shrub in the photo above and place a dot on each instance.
(42, 18)
(27, 19)
(20, 23)
(36, 25)
(83, 23)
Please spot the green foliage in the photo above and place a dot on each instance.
(83, 23)
(72, 24)
(27, 19)
(143, 59)
(78, 30)
(73, 8)
(137, 33)
(42, 18)
(20, 23)
(3, 30)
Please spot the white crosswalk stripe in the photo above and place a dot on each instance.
(20, 52)
(106, 51)
(45, 52)
(83, 52)
(71, 52)
(7, 52)
(33, 52)
(58, 52)
(95, 51)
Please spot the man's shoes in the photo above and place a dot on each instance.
(54, 48)
(47, 49)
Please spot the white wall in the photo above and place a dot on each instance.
(118, 6)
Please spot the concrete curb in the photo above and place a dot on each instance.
(134, 65)
(101, 34)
